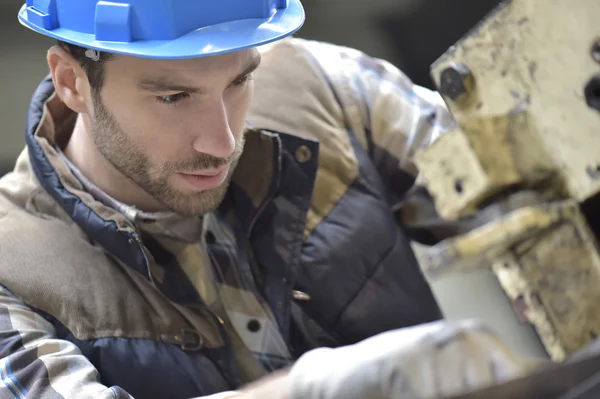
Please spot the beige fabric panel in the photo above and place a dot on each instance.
(48, 265)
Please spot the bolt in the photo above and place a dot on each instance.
(596, 51)
(456, 81)
(592, 92)
(459, 186)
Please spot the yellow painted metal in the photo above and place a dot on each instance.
(516, 84)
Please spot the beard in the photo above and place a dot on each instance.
(116, 146)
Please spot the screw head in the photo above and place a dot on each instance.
(595, 51)
(592, 92)
(456, 81)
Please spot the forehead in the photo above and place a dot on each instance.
(195, 69)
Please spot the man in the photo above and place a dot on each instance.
(182, 223)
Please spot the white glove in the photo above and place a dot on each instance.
(428, 361)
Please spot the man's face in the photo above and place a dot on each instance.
(175, 128)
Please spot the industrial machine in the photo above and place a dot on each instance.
(523, 165)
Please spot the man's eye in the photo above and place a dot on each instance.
(172, 99)
(243, 80)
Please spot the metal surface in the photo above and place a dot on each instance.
(537, 59)
(546, 259)
(524, 87)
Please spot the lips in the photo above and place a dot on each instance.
(209, 173)
(206, 179)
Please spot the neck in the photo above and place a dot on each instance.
(83, 153)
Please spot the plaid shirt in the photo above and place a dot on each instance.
(227, 287)
(379, 104)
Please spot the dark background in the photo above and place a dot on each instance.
(409, 33)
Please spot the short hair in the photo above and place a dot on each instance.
(93, 69)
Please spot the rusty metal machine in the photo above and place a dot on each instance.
(524, 88)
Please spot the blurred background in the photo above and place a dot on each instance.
(409, 33)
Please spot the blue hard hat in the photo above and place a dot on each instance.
(165, 29)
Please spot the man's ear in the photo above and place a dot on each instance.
(69, 78)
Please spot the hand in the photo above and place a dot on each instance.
(274, 386)
(429, 361)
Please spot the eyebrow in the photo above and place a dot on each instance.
(167, 84)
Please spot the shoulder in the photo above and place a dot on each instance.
(30, 219)
(32, 242)
(36, 236)
(322, 52)
(337, 65)
(304, 86)
(53, 267)
(292, 92)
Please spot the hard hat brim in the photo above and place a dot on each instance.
(212, 40)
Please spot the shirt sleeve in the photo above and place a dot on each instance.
(35, 364)
(393, 119)
(390, 116)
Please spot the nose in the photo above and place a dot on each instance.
(213, 135)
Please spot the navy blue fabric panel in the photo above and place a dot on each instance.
(123, 246)
(396, 295)
(237, 199)
(279, 232)
(149, 369)
(398, 180)
(344, 251)
(356, 243)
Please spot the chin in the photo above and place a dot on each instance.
(198, 203)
